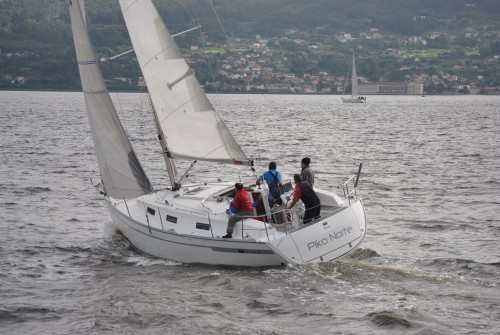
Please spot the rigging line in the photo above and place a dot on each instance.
(210, 68)
(231, 49)
(255, 135)
(141, 88)
(217, 93)
(220, 23)
(222, 27)
(117, 94)
(228, 43)
(194, 16)
(188, 12)
(230, 46)
(121, 109)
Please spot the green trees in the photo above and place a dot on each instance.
(36, 41)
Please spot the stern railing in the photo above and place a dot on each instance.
(349, 187)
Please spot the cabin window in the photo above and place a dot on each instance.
(171, 218)
(203, 226)
(151, 211)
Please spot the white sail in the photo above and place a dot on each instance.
(355, 88)
(121, 172)
(192, 128)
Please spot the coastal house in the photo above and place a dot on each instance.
(20, 80)
(492, 90)
(412, 88)
(278, 87)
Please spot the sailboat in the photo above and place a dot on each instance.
(185, 221)
(355, 97)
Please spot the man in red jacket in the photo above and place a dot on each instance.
(243, 204)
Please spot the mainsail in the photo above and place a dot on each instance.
(121, 172)
(188, 121)
(355, 89)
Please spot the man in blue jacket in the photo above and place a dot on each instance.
(273, 180)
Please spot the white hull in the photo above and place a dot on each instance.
(194, 237)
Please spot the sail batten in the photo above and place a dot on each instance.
(192, 128)
(120, 169)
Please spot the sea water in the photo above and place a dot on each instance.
(430, 180)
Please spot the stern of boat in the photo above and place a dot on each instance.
(327, 239)
(338, 231)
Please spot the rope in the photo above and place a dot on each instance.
(269, 102)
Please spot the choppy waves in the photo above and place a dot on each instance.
(428, 265)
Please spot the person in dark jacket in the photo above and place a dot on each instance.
(311, 201)
(307, 173)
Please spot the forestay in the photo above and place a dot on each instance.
(121, 172)
(192, 128)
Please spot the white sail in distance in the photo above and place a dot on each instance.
(355, 88)
(188, 121)
(121, 172)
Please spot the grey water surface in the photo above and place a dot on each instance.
(430, 263)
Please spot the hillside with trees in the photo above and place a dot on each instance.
(269, 45)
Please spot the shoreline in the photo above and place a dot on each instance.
(254, 93)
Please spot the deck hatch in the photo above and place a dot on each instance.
(195, 191)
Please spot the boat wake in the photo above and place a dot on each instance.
(363, 253)
(385, 318)
(146, 261)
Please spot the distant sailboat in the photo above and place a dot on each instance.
(185, 222)
(355, 97)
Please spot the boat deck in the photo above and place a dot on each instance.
(202, 211)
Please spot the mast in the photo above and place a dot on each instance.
(169, 161)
